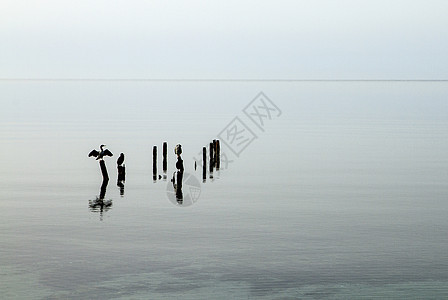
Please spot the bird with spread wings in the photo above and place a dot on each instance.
(100, 154)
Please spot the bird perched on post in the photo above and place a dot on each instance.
(100, 154)
(180, 162)
(120, 159)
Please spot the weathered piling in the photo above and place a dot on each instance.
(211, 160)
(204, 164)
(154, 163)
(164, 151)
(103, 188)
(214, 153)
(204, 157)
(218, 155)
(104, 170)
(179, 194)
(211, 157)
(121, 173)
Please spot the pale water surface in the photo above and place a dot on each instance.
(344, 195)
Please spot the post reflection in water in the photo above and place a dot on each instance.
(177, 185)
(99, 204)
(120, 184)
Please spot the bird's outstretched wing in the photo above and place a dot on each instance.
(93, 153)
(107, 153)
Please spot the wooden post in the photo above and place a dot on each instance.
(218, 155)
(211, 157)
(103, 188)
(104, 170)
(121, 173)
(154, 163)
(204, 157)
(214, 153)
(165, 150)
(121, 178)
(204, 163)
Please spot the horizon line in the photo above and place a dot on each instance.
(222, 80)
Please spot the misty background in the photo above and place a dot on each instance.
(283, 39)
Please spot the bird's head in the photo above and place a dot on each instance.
(101, 147)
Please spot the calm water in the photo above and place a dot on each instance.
(342, 195)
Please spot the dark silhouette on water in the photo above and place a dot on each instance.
(120, 159)
(204, 164)
(103, 189)
(214, 159)
(121, 168)
(177, 185)
(154, 163)
(212, 163)
(164, 161)
(120, 184)
(180, 164)
(99, 204)
(217, 154)
(100, 154)
(178, 175)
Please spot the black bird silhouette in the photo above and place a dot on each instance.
(120, 159)
(101, 153)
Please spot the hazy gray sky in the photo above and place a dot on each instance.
(316, 39)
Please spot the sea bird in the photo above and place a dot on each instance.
(120, 159)
(101, 153)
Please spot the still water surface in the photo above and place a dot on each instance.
(344, 195)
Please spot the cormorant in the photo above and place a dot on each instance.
(101, 153)
(120, 159)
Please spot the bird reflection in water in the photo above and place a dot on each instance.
(99, 204)
(178, 175)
